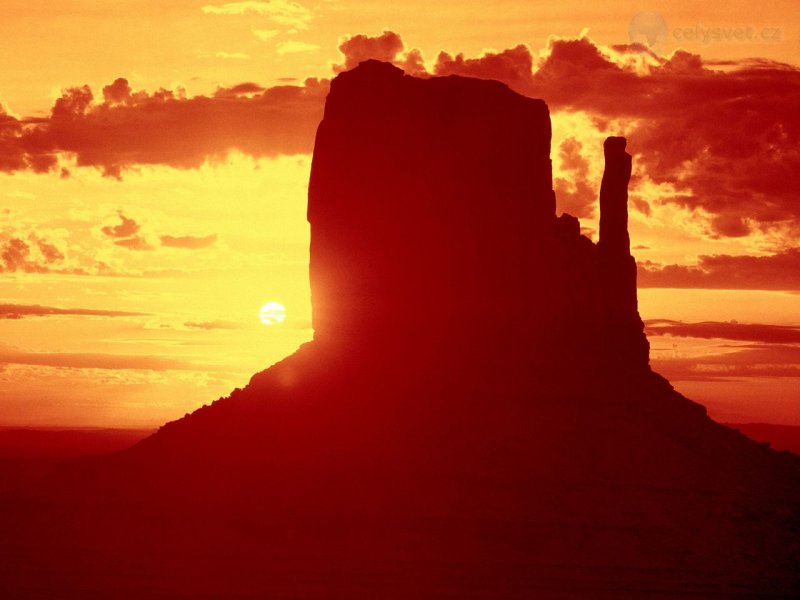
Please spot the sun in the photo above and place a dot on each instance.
(272, 313)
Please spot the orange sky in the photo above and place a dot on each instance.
(162, 205)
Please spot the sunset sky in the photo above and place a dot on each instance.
(154, 161)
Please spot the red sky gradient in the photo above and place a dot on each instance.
(154, 161)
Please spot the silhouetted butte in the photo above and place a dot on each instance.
(475, 417)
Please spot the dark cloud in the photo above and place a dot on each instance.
(126, 228)
(134, 243)
(641, 205)
(387, 47)
(31, 255)
(769, 360)
(727, 141)
(164, 127)
(126, 234)
(779, 271)
(118, 92)
(188, 242)
(20, 311)
(50, 252)
(512, 66)
(743, 332)
(12, 155)
(15, 256)
(242, 89)
(358, 48)
(732, 149)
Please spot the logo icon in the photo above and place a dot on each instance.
(650, 29)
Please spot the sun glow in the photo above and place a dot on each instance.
(272, 313)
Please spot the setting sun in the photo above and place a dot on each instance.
(272, 313)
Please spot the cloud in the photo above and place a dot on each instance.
(165, 127)
(126, 234)
(50, 252)
(118, 92)
(188, 241)
(576, 194)
(12, 154)
(359, 48)
(31, 255)
(725, 140)
(743, 332)
(98, 361)
(19, 311)
(247, 88)
(294, 46)
(769, 360)
(209, 325)
(126, 228)
(15, 255)
(779, 271)
(387, 47)
(265, 34)
(233, 55)
(513, 66)
(134, 243)
(282, 12)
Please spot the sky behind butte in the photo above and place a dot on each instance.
(154, 161)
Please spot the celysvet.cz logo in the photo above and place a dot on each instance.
(651, 29)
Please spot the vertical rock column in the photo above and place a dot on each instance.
(614, 239)
(623, 339)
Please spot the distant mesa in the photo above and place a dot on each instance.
(475, 417)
